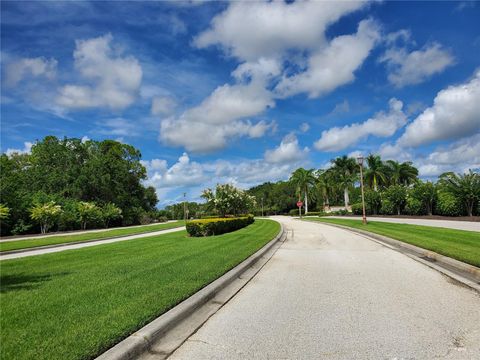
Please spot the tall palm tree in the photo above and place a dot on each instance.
(401, 173)
(376, 172)
(325, 185)
(464, 186)
(345, 169)
(303, 180)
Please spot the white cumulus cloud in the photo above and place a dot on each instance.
(17, 70)
(113, 80)
(455, 113)
(409, 68)
(287, 152)
(383, 124)
(27, 148)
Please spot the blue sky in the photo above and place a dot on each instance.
(245, 92)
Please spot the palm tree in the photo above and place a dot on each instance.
(325, 185)
(345, 169)
(303, 180)
(376, 172)
(464, 186)
(401, 173)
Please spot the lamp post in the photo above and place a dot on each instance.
(360, 163)
(184, 207)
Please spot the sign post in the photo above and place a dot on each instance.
(300, 204)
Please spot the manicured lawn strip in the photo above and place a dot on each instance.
(78, 303)
(458, 244)
(53, 240)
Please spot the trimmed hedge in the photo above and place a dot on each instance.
(217, 226)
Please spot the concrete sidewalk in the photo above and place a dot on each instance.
(67, 246)
(328, 293)
(449, 224)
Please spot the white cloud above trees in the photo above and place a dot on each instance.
(20, 69)
(382, 124)
(287, 152)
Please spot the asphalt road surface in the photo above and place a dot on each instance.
(451, 224)
(331, 294)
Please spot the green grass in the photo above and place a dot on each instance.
(458, 244)
(53, 240)
(78, 303)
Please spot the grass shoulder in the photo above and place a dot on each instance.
(96, 235)
(77, 304)
(461, 245)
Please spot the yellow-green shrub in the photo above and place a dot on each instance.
(217, 226)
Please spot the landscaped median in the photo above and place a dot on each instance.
(77, 304)
(458, 244)
(89, 236)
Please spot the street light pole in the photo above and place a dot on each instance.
(262, 206)
(360, 163)
(184, 207)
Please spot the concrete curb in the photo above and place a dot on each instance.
(470, 272)
(140, 341)
(53, 246)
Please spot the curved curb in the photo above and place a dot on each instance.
(469, 272)
(54, 246)
(141, 340)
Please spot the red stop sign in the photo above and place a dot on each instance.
(299, 203)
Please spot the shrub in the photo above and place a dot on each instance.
(314, 213)
(217, 226)
(357, 209)
(294, 212)
(448, 205)
(387, 207)
(162, 219)
(414, 206)
(397, 197)
(373, 202)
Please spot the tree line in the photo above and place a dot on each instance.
(391, 187)
(67, 184)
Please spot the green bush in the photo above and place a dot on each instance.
(414, 206)
(217, 226)
(387, 207)
(314, 213)
(294, 212)
(448, 205)
(357, 209)
(373, 202)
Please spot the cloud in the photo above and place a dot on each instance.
(251, 30)
(27, 148)
(383, 124)
(410, 68)
(119, 127)
(162, 105)
(287, 152)
(334, 65)
(459, 156)
(112, 81)
(304, 127)
(219, 117)
(18, 70)
(455, 113)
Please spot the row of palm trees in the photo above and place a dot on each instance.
(345, 172)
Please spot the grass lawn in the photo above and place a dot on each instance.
(458, 244)
(78, 303)
(53, 240)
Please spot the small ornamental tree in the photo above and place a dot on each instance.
(397, 196)
(46, 215)
(88, 212)
(227, 199)
(465, 187)
(110, 212)
(426, 193)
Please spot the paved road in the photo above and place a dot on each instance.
(452, 224)
(328, 293)
(76, 232)
(63, 247)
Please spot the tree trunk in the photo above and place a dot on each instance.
(306, 202)
(346, 198)
(398, 210)
(374, 183)
(470, 208)
(327, 203)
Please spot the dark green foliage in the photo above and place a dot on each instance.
(278, 198)
(397, 196)
(64, 170)
(373, 202)
(414, 207)
(357, 209)
(217, 226)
